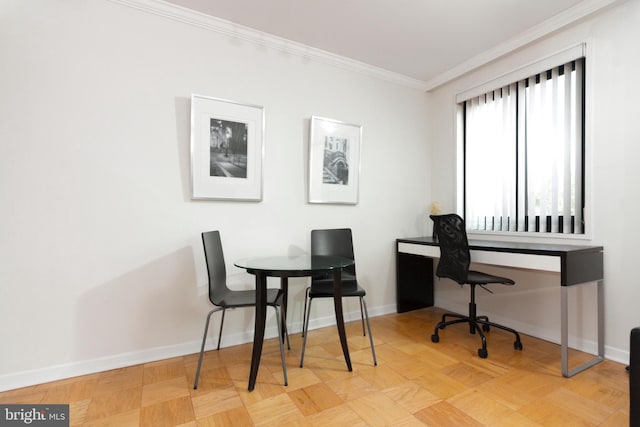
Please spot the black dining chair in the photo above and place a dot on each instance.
(334, 242)
(223, 298)
(454, 262)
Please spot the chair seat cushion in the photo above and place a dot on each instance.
(323, 288)
(480, 278)
(246, 298)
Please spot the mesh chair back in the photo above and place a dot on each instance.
(454, 247)
(215, 264)
(334, 242)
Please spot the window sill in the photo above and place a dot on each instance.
(522, 236)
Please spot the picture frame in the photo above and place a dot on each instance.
(334, 161)
(227, 149)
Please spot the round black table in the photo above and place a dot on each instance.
(285, 267)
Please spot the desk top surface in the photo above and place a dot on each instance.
(514, 247)
(293, 265)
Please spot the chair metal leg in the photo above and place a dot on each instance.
(283, 323)
(364, 334)
(304, 332)
(482, 352)
(442, 325)
(286, 332)
(455, 316)
(204, 339)
(517, 343)
(279, 321)
(224, 310)
(304, 310)
(373, 350)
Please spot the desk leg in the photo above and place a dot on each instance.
(601, 319)
(337, 301)
(258, 334)
(564, 334)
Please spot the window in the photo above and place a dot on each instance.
(523, 146)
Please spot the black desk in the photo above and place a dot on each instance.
(285, 267)
(576, 265)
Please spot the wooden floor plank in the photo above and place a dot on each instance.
(417, 382)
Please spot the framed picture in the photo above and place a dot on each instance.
(227, 149)
(334, 161)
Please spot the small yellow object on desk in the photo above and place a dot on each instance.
(435, 209)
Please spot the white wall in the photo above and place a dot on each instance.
(613, 139)
(102, 263)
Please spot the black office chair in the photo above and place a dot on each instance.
(334, 242)
(454, 264)
(223, 297)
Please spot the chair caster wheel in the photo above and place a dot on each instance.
(482, 353)
(517, 345)
(435, 338)
(486, 328)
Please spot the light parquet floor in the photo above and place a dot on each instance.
(416, 383)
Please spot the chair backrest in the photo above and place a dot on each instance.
(215, 264)
(454, 247)
(334, 242)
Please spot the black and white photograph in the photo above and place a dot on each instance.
(334, 161)
(227, 149)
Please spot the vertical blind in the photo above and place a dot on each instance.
(490, 151)
(524, 154)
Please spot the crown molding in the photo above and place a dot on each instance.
(228, 28)
(570, 16)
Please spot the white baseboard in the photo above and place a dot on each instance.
(84, 367)
(91, 366)
(58, 372)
